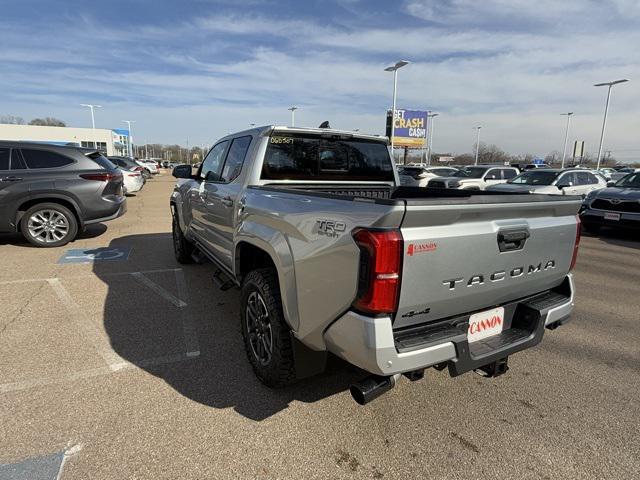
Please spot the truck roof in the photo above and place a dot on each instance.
(267, 129)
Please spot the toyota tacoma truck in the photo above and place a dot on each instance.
(332, 255)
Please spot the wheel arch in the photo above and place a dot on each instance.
(67, 202)
(253, 252)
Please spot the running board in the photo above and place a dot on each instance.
(222, 280)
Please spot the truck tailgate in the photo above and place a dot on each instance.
(461, 258)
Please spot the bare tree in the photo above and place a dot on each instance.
(47, 122)
(11, 119)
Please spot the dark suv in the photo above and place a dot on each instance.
(49, 193)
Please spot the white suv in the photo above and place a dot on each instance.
(478, 177)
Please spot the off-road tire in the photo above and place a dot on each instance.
(182, 248)
(71, 228)
(280, 370)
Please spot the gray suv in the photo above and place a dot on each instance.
(50, 193)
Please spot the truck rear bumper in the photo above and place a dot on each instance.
(372, 344)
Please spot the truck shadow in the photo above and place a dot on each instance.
(618, 237)
(143, 326)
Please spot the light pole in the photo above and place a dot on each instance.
(93, 120)
(394, 69)
(477, 142)
(429, 146)
(293, 109)
(130, 146)
(606, 110)
(566, 137)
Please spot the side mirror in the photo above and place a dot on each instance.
(182, 171)
(611, 183)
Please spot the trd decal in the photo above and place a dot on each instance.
(330, 228)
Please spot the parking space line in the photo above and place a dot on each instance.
(71, 277)
(188, 328)
(158, 289)
(94, 372)
(91, 332)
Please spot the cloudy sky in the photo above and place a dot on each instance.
(199, 69)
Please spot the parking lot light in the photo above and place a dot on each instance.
(566, 137)
(293, 109)
(394, 68)
(477, 142)
(606, 110)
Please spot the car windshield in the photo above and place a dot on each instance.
(535, 177)
(472, 172)
(630, 181)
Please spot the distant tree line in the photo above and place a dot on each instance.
(43, 122)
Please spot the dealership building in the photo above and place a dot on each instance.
(111, 142)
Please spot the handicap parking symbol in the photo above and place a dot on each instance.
(91, 255)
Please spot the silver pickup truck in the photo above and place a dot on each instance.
(332, 255)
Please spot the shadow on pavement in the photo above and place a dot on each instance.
(142, 325)
(615, 236)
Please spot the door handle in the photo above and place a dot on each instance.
(512, 239)
(11, 178)
(227, 201)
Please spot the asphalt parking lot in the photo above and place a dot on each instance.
(133, 367)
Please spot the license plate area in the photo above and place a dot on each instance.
(612, 216)
(485, 324)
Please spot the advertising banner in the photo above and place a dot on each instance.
(410, 128)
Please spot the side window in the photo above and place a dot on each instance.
(212, 165)
(508, 173)
(5, 155)
(17, 163)
(567, 179)
(235, 158)
(584, 178)
(44, 159)
(493, 174)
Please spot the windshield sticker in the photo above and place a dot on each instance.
(282, 140)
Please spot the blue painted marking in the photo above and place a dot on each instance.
(45, 467)
(91, 255)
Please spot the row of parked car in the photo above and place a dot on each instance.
(51, 193)
(611, 197)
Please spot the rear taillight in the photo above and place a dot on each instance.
(577, 244)
(138, 169)
(380, 270)
(101, 177)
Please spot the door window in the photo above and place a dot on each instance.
(493, 174)
(508, 173)
(568, 179)
(17, 163)
(44, 159)
(584, 178)
(5, 155)
(212, 165)
(235, 158)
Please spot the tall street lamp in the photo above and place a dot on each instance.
(394, 69)
(93, 120)
(293, 109)
(477, 142)
(566, 137)
(432, 116)
(606, 110)
(130, 146)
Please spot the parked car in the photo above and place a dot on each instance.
(533, 166)
(475, 178)
(132, 181)
(149, 165)
(615, 206)
(411, 176)
(554, 182)
(50, 193)
(332, 255)
(607, 172)
(622, 172)
(126, 163)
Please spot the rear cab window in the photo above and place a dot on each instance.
(330, 157)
